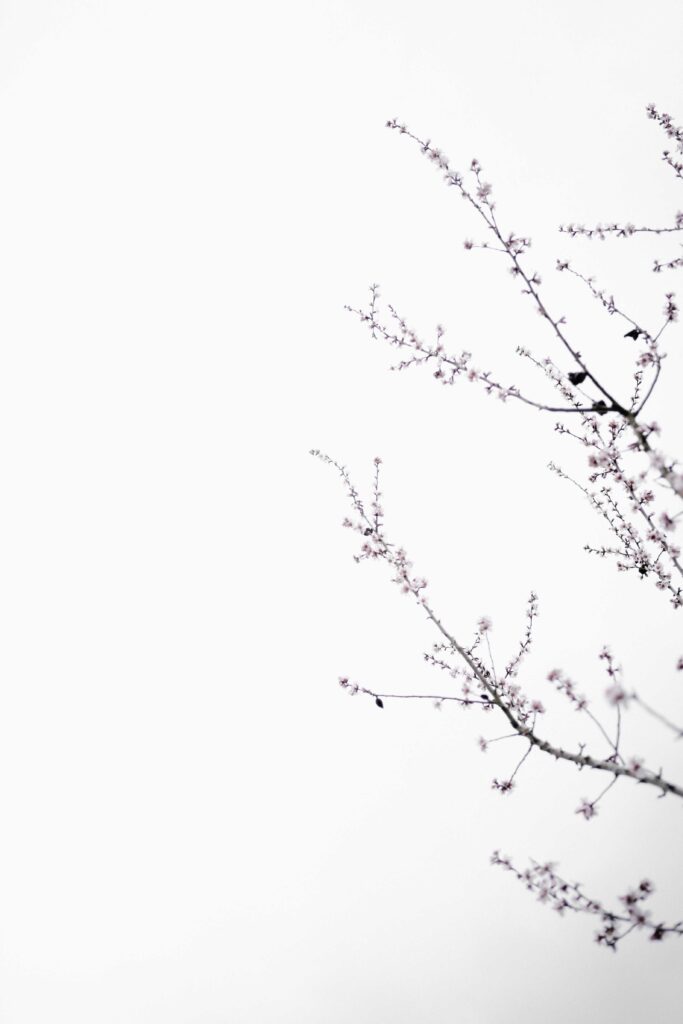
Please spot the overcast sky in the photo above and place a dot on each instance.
(198, 825)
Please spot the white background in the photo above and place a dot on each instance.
(197, 824)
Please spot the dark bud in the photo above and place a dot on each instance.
(367, 531)
(642, 569)
(601, 408)
(379, 702)
(633, 333)
(578, 377)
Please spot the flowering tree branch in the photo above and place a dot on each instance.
(624, 469)
(498, 692)
(562, 896)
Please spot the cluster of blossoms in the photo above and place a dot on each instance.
(632, 486)
(566, 686)
(563, 897)
(615, 692)
(672, 132)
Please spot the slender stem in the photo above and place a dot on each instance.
(656, 714)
